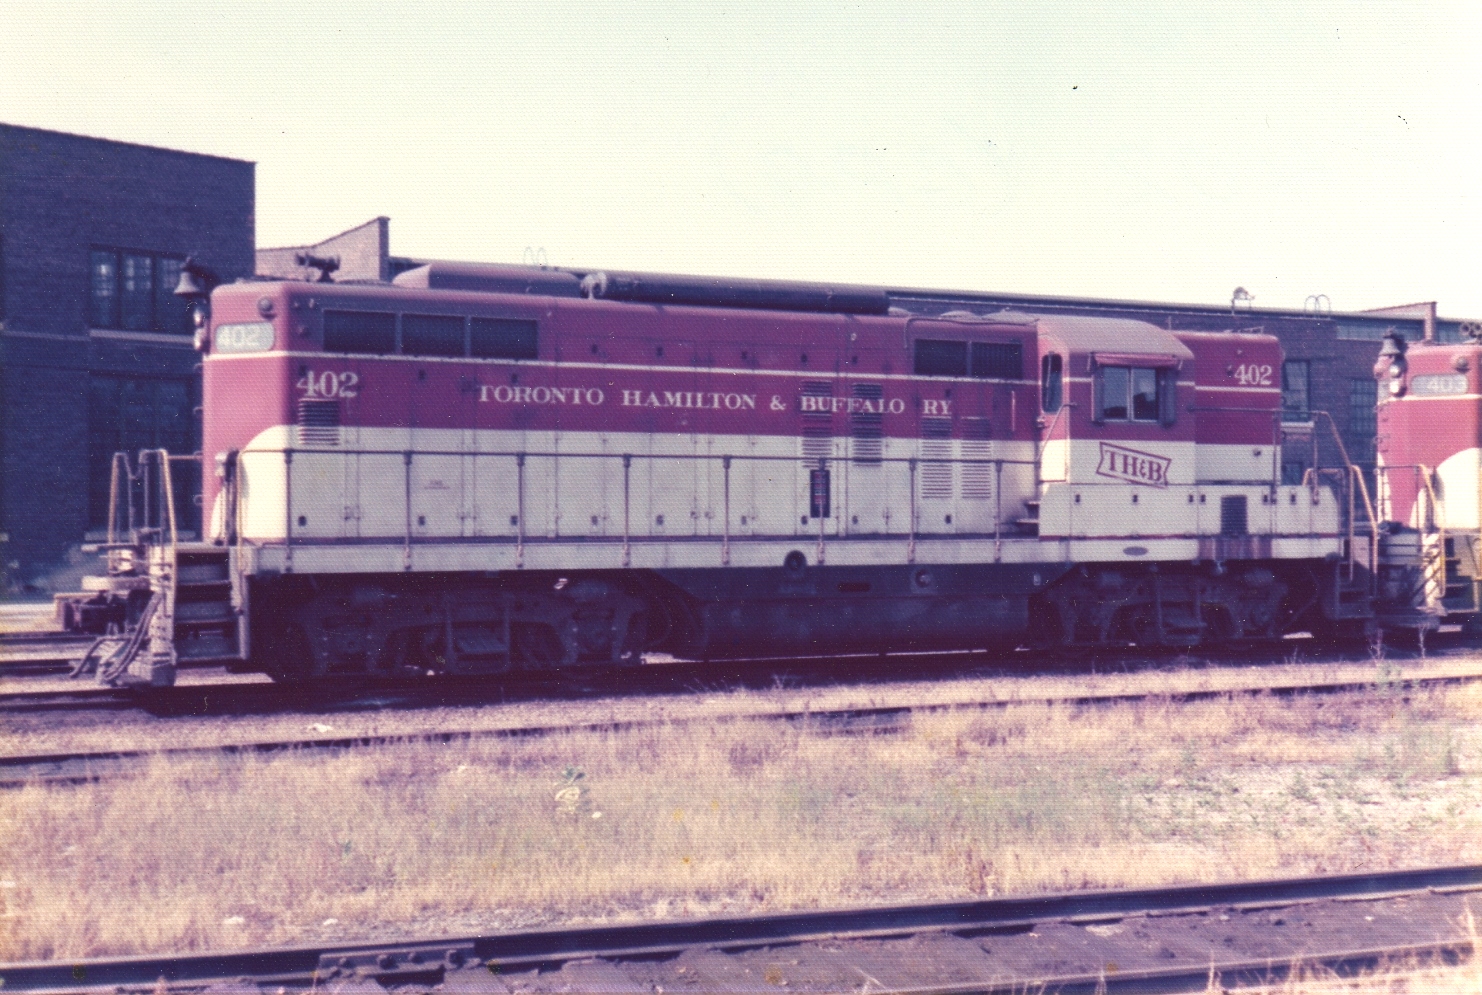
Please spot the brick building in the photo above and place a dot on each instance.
(95, 351)
(362, 254)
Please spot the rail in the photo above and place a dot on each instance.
(17, 771)
(425, 962)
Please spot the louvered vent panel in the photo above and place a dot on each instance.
(818, 426)
(977, 477)
(936, 463)
(868, 426)
(318, 423)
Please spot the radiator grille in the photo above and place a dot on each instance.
(977, 477)
(318, 423)
(818, 426)
(868, 427)
(936, 463)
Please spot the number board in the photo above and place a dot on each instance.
(255, 336)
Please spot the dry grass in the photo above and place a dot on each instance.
(1390, 980)
(1414, 976)
(50, 733)
(713, 818)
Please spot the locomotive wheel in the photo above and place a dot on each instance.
(286, 655)
(637, 638)
(534, 646)
(1046, 628)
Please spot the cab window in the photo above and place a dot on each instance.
(1133, 393)
(1051, 383)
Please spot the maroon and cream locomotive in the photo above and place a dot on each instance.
(481, 468)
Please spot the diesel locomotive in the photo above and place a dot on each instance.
(482, 468)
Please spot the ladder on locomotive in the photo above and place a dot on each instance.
(187, 614)
(1434, 569)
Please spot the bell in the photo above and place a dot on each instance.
(190, 285)
(1393, 347)
(196, 281)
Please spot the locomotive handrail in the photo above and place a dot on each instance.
(407, 457)
(1434, 506)
(1438, 515)
(113, 498)
(1362, 489)
(1039, 447)
(155, 507)
(167, 484)
(835, 526)
(556, 454)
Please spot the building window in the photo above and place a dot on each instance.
(1296, 391)
(1363, 394)
(135, 291)
(1375, 329)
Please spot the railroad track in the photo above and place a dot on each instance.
(70, 700)
(35, 654)
(51, 657)
(49, 654)
(1178, 939)
(41, 637)
(79, 768)
(685, 676)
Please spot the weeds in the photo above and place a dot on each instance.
(729, 817)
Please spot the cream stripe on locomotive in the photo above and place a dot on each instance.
(366, 500)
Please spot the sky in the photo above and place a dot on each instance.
(1146, 150)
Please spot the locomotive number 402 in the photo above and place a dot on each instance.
(329, 384)
(1254, 374)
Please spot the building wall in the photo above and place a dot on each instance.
(363, 254)
(61, 198)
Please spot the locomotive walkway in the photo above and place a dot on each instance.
(1182, 939)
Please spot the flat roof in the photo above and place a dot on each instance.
(114, 141)
(1112, 303)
